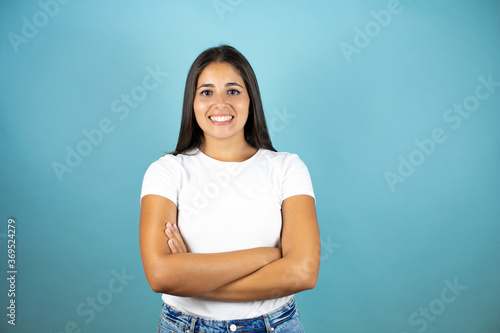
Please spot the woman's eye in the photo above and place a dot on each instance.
(206, 93)
(233, 92)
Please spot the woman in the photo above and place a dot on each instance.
(228, 228)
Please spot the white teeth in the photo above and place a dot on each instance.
(221, 118)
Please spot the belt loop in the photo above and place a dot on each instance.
(193, 323)
(269, 329)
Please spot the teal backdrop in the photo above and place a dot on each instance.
(393, 105)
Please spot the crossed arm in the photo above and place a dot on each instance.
(246, 275)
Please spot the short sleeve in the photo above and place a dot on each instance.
(296, 178)
(163, 178)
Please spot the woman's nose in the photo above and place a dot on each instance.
(220, 102)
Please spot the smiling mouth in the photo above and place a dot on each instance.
(221, 119)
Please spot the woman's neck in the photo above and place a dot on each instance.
(227, 150)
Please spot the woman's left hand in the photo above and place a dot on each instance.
(175, 240)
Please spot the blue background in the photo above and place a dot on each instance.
(390, 250)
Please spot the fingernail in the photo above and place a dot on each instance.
(175, 226)
(168, 230)
(169, 225)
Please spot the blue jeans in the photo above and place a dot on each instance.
(286, 319)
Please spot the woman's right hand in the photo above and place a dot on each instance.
(175, 240)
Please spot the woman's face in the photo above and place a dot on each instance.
(221, 102)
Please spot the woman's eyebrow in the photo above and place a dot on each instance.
(233, 84)
(206, 85)
(210, 85)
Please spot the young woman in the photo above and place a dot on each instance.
(228, 228)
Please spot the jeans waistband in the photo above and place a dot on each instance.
(264, 323)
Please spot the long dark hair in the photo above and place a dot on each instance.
(190, 134)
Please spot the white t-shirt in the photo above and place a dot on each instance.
(227, 206)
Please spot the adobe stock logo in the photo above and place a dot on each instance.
(30, 27)
(279, 120)
(93, 138)
(89, 308)
(454, 116)
(224, 6)
(372, 29)
(420, 319)
(209, 191)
